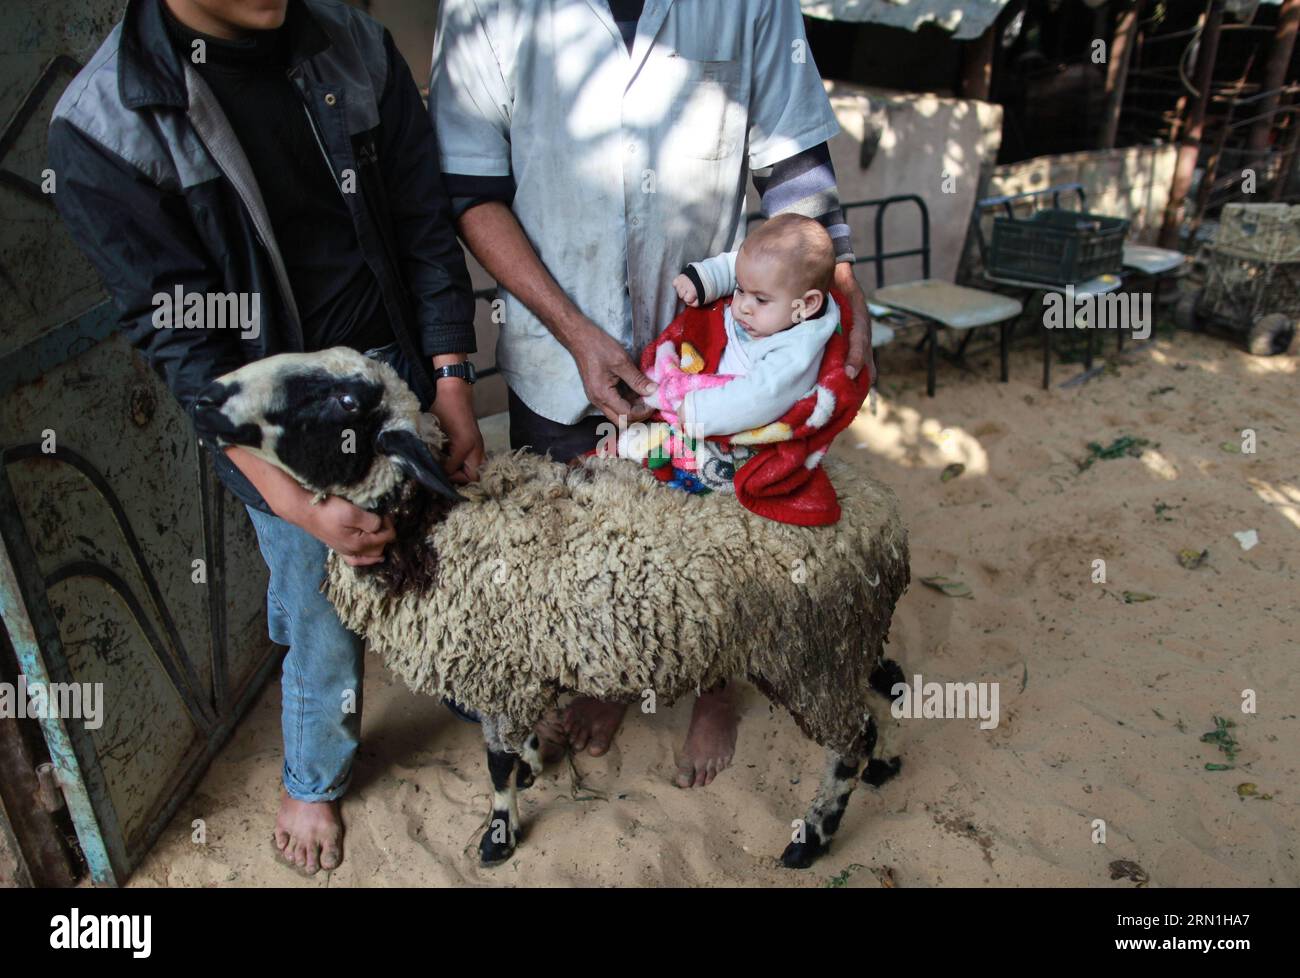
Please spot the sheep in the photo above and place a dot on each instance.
(591, 578)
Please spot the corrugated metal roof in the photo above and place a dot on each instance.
(967, 19)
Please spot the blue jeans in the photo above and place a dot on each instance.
(321, 682)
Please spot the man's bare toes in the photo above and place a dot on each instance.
(685, 777)
(551, 736)
(330, 857)
(591, 724)
(578, 734)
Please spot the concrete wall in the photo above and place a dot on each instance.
(1132, 182)
(925, 144)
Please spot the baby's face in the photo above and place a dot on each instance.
(766, 301)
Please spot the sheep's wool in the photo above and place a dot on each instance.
(603, 579)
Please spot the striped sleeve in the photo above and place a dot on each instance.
(805, 184)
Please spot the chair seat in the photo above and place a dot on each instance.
(955, 306)
(1097, 286)
(1152, 261)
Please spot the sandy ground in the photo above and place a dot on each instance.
(1103, 702)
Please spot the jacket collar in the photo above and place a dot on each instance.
(150, 70)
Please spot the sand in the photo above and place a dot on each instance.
(1102, 702)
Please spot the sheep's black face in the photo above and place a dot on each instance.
(329, 427)
(323, 427)
(335, 420)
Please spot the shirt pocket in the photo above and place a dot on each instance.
(708, 114)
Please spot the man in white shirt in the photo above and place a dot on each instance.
(592, 148)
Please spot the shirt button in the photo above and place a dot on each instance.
(330, 99)
(636, 222)
(631, 148)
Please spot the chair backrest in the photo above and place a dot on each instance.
(879, 256)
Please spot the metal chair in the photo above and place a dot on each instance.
(1099, 285)
(931, 303)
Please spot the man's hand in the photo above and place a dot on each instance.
(357, 536)
(602, 362)
(495, 238)
(454, 409)
(860, 335)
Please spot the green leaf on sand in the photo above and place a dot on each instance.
(1135, 597)
(1192, 559)
(1121, 446)
(843, 877)
(951, 472)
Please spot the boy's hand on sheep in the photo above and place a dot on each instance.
(686, 290)
(359, 537)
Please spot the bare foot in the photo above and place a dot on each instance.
(309, 834)
(710, 741)
(552, 735)
(591, 724)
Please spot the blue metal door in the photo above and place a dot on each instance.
(123, 561)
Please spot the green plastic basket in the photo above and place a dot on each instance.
(1057, 247)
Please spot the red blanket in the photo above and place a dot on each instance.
(784, 480)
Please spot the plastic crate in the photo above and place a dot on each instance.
(1057, 247)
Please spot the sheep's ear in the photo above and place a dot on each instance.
(414, 458)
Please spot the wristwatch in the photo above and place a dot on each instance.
(465, 371)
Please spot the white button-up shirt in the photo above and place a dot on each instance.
(626, 166)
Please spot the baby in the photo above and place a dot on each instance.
(777, 325)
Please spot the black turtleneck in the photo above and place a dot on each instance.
(338, 297)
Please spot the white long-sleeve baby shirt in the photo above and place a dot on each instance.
(772, 372)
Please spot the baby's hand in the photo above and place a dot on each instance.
(686, 290)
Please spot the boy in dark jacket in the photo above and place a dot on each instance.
(253, 177)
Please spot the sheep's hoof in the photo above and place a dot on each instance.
(878, 771)
(801, 855)
(499, 841)
(493, 853)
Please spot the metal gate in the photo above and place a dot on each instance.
(123, 561)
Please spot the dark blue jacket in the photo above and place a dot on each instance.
(152, 182)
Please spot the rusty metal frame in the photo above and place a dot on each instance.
(30, 622)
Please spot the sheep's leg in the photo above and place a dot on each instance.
(510, 771)
(812, 835)
(530, 761)
(498, 842)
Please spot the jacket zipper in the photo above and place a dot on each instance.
(329, 164)
(267, 240)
